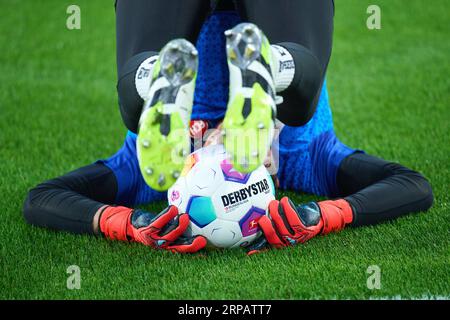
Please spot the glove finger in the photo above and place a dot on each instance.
(270, 233)
(188, 245)
(289, 213)
(258, 246)
(175, 229)
(163, 218)
(280, 223)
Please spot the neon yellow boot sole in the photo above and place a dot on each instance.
(249, 120)
(163, 140)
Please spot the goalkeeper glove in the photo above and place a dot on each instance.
(162, 231)
(289, 224)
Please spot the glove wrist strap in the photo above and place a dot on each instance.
(114, 222)
(336, 214)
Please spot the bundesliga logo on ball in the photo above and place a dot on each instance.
(223, 204)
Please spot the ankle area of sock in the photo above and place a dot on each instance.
(283, 67)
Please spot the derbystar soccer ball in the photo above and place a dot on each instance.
(223, 204)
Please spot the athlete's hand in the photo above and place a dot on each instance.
(287, 225)
(162, 231)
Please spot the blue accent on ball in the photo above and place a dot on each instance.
(159, 243)
(269, 178)
(201, 211)
(291, 241)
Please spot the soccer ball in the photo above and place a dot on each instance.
(223, 204)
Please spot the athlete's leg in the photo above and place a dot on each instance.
(71, 201)
(293, 66)
(81, 202)
(305, 29)
(156, 90)
(147, 25)
(369, 190)
(143, 28)
(379, 190)
(366, 189)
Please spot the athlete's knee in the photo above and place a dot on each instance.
(419, 186)
(28, 208)
(426, 193)
(31, 207)
(301, 97)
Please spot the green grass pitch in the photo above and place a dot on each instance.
(389, 91)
